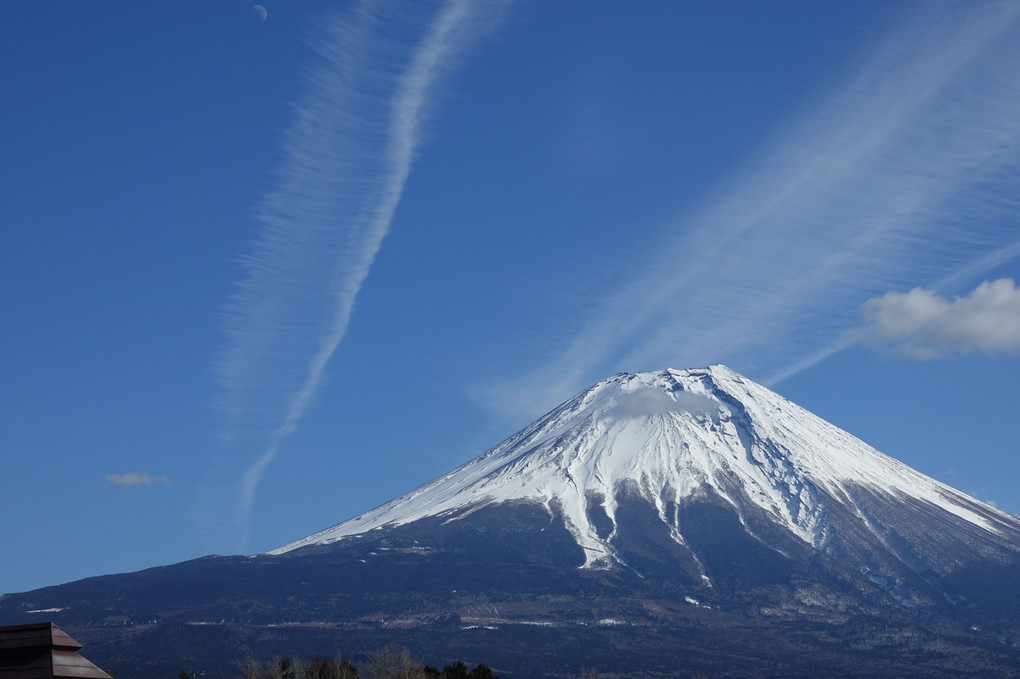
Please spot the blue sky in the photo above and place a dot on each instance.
(262, 272)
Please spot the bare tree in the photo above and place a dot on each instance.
(342, 667)
(299, 668)
(250, 666)
(387, 663)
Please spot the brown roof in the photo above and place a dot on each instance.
(37, 635)
(43, 651)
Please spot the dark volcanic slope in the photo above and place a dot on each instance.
(503, 587)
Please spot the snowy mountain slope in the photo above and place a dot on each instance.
(679, 436)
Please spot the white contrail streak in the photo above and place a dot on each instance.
(349, 155)
(904, 176)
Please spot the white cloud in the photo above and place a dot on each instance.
(921, 324)
(642, 402)
(136, 479)
(906, 172)
(348, 156)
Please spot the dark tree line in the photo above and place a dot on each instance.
(384, 664)
(459, 670)
(387, 663)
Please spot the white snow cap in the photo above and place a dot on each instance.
(671, 435)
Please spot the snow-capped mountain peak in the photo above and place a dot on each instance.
(671, 437)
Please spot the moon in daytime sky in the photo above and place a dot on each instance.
(261, 11)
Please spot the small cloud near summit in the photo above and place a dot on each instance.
(650, 401)
(922, 325)
(136, 479)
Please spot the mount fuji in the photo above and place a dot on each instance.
(674, 438)
(656, 523)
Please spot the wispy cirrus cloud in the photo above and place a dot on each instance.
(348, 155)
(921, 324)
(136, 479)
(906, 173)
